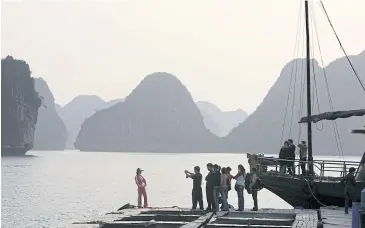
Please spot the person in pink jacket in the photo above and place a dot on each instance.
(141, 188)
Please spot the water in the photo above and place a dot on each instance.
(54, 189)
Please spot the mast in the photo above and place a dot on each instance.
(309, 111)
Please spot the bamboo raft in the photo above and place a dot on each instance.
(185, 218)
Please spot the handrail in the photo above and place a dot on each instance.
(327, 161)
(322, 165)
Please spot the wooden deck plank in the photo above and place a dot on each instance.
(243, 225)
(270, 218)
(305, 219)
(197, 222)
(335, 217)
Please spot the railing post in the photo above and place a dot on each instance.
(322, 169)
(276, 167)
(355, 214)
(362, 210)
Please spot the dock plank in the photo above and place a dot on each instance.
(305, 219)
(177, 217)
(335, 217)
(198, 222)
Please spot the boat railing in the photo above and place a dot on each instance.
(323, 169)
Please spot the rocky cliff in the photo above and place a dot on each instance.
(261, 132)
(218, 122)
(51, 132)
(158, 116)
(19, 107)
(79, 109)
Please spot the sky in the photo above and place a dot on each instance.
(227, 52)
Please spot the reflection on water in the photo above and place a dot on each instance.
(54, 189)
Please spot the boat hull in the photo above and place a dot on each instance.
(300, 193)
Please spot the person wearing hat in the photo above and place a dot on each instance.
(141, 188)
(349, 182)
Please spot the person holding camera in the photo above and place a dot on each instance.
(197, 192)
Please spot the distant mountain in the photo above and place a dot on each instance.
(218, 122)
(79, 109)
(51, 132)
(20, 104)
(158, 116)
(261, 132)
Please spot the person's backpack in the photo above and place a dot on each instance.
(247, 182)
(257, 186)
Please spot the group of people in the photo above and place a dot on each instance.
(287, 154)
(219, 184)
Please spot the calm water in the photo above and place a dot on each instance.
(54, 189)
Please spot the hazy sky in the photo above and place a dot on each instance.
(229, 52)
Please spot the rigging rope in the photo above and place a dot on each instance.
(291, 74)
(292, 105)
(315, 89)
(334, 123)
(343, 49)
(303, 80)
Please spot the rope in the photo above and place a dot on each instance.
(334, 123)
(292, 105)
(314, 73)
(301, 100)
(343, 49)
(291, 74)
(310, 189)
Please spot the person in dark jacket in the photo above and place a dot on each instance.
(254, 188)
(349, 182)
(197, 192)
(209, 186)
(291, 156)
(229, 169)
(217, 181)
(282, 155)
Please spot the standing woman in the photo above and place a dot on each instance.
(240, 186)
(141, 188)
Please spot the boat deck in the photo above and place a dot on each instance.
(186, 218)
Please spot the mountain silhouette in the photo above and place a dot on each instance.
(158, 116)
(218, 122)
(262, 130)
(20, 104)
(51, 132)
(79, 109)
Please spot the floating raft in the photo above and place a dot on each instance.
(185, 218)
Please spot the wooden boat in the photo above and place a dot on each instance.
(318, 186)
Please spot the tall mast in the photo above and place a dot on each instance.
(309, 111)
